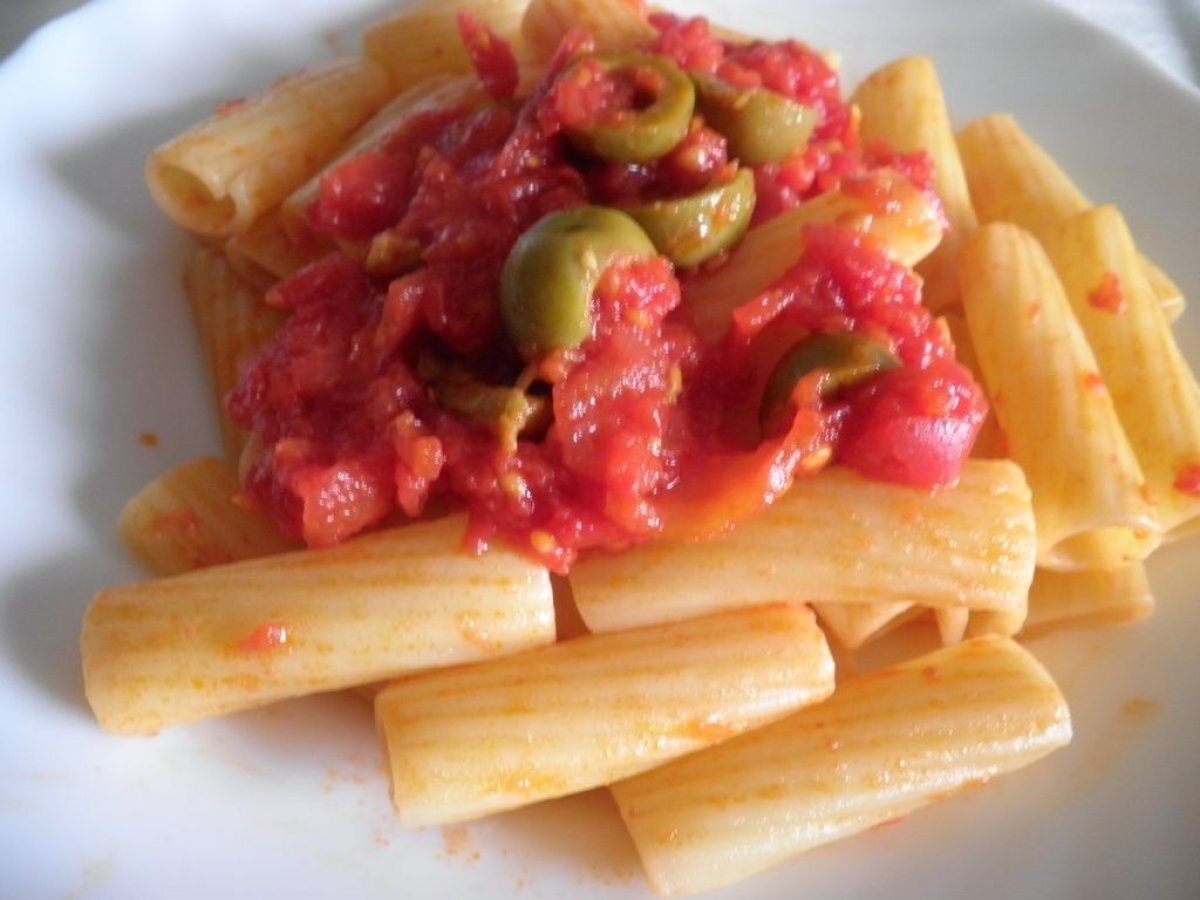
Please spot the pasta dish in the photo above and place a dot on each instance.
(602, 389)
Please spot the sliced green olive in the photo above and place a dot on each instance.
(689, 230)
(760, 125)
(843, 361)
(658, 122)
(508, 412)
(552, 270)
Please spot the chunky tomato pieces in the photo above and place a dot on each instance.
(913, 425)
(390, 387)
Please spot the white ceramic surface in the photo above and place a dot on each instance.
(1168, 31)
(95, 352)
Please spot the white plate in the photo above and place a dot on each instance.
(95, 351)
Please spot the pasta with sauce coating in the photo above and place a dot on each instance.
(1047, 393)
(233, 324)
(189, 518)
(232, 637)
(1013, 179)
(1116, 596)
(221, 176)
(971, 545)
(423, 41)
(1153, 389)
(612, 24)
(474, 740)
(902, 104)
(881, 747)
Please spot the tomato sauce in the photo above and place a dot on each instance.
(641, 431)
(1188, 480)
(1109, 295)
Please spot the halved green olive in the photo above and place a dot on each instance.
(760, 125)
(689, 230)
(551, 272)
(651, 129)
(843, 361)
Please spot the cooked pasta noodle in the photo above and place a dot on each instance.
(1057, 415)
(221, 176)
(880, 748)
(228, 637)
(902, 104)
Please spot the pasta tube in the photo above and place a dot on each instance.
(423, 41)
(1096, 597)
(264, 253)
(1169, 294)
(907, 223)
(189, 518)
(903, 105)
(1006, 623)
(220, 176)
(951, 624)
(854, 625)
(231, 637)
(971, 545)
(1013, 179)
(479, 739)
(1152, 386)
(613, 24)
(989, 443)
(434, 93)
(1057, 417)
(881, 747)
(233, 324)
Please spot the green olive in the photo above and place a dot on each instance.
(508, 412)
(689, 230)
(552, 270)
(649, 131)
(844, 360)
(760, 125)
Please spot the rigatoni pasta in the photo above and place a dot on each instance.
(1009, 623)
(990, 442)
(422, 40)
(231, 637)
(221, 176)
(1053, 407)
(854, 625)
(1152, 387)
(883, 746)
(1116, 596)
(233, 325)
(902, 104)
(474, 740)
(190, 518)
(436, 93)
(1013, 179)
(265, 253)
(612, 24)
(972, 546)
